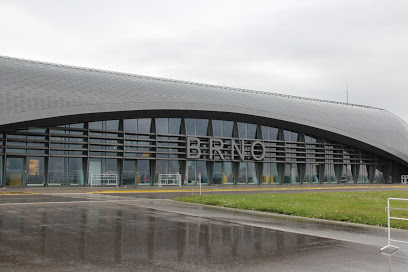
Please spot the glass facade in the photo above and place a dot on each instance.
(378, 176)
(271, 174)
(35, 171)
(65, 171)
(99, 166)
(196, 170)
(311, 173)
(136, 151)
(347, 174)
(15, 171)
(247, 173)
(1, 170)
(166, 167)
(329, 174)
(363, 174)
(291, 174)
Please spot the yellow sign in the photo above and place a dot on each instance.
(16, 180)
(33, 167)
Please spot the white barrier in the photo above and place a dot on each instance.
(389, 248)
(169, 179)
(104, 180)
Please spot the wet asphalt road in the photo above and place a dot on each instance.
(92, 232)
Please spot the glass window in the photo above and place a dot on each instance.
(166, 167)
(242, 174)
(329, 174)
(95, 125)
(343, 177)
(193, 169)
(294, 173)
(130, 125)
(347, 175)
(363, 174)
(174, 126)
(269, 133)
(223, 128)
(143, 172)
(162, 126)
(65, 171)
(275, 175)
(378, 175)
(136, 172)
(1, 170)
(242, 129)
(217, 127)
(174, 167)
(223, 173)
(252, 177)
(13, 150)
(270, 173)
(129, 172)
(98, 166)
(144, 125)
(202, 168)
(265, 133)
(15, 171)
(197, 127)
(191, 173)
(190, 126)
(34, 129)
(251, 131)
(112, 125)
(311, 174)
(202, 127)
(77, 125)
(217, 174)
(290, 136)
(266, 172)
(105, 125)
(35, 173)
(310, 139)
(286, 177)
(228, 170)
(228, 127)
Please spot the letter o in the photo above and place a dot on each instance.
(262, 156)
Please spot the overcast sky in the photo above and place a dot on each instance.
(305, 48)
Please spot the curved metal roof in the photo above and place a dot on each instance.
(33, 90)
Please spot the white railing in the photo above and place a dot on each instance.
(169, 179)
(389, 248)
(404, 179)
(58, 178)
(104, 180)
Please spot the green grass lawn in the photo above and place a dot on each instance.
(355, 207)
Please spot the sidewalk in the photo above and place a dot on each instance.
(205, 188)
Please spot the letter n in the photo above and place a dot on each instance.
(240, 151)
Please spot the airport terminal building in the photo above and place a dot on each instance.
(70, 126)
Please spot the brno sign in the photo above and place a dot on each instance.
(257, 150)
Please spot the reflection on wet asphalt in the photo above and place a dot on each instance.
(109, 235)
(6, 199)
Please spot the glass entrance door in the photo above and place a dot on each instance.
(143, 172)
(15, 172)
